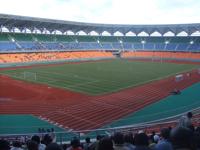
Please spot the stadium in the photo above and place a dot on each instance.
(59, 74)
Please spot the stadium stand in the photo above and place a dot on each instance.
(170, 138)
(178, 48)
(19, 41)
(170, 55)
(31, 57)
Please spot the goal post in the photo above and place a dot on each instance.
(29, 76)
(156, 58)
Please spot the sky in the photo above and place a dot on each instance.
(108, 11)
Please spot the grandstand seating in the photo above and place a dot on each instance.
(7, 46)
(106, 46)
(149, 46)
(37, 42)
(181, 55)
(117, 46)
(170, 46)
(127, 45)
(29, 57)
(138, 46)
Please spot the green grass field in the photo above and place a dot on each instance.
(101, 77)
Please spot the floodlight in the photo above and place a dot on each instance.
(13, 40)
(143, 42)
(191, 42)
(166, 42)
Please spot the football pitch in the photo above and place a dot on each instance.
(98, 77)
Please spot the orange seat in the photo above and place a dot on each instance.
(29, 57)
(182, 55)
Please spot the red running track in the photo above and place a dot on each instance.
(78, 111)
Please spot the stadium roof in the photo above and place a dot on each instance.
(12, 21)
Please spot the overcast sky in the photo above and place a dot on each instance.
(108, 11)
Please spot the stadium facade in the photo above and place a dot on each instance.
(12, 21)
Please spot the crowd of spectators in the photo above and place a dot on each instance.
(182, 137)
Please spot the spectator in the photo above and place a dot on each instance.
(53, 146)
(53, 135)
(46, 139)
(64, 146)
(197, 130)
(164, 143)
(75, 145)
(105, 144)
(156, 138)
(23, 140)
(197, 140)
(94, 146)
(181, 138)
(118, 139)
(40, 145)
(151, 139)
(4, 145)
(186, 121)
(152, 135)
(141, 142)
(129, 141)
(87, 143)
(32, 145)
(17, 146)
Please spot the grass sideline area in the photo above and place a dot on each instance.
(99, 77)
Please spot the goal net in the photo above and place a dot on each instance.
(30, 76)
(157, 59)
